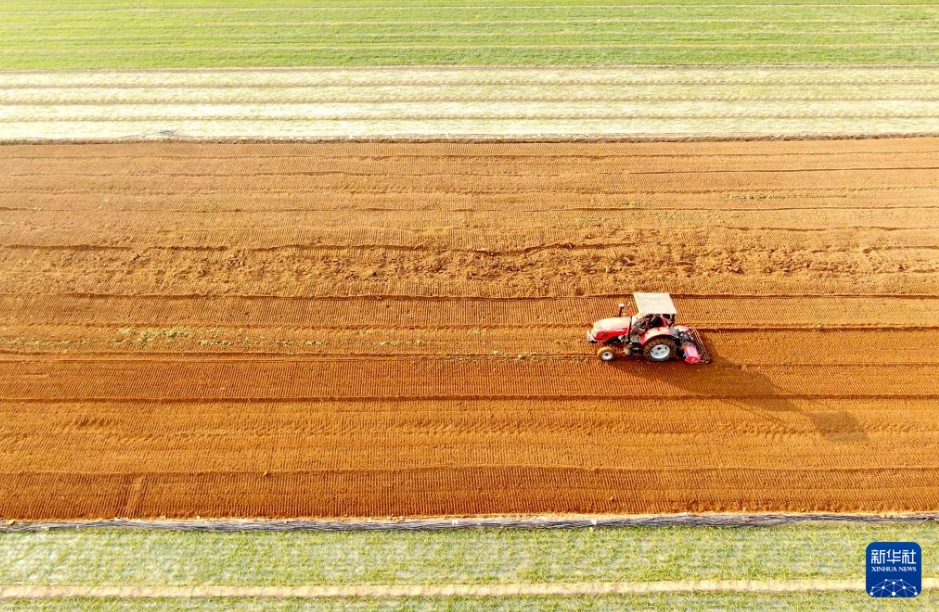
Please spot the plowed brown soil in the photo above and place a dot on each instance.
(398, 329)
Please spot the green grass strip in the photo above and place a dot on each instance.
(138, 59)
(472, 556)
(690, 603)
(291, 33)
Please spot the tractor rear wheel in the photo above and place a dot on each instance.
(606, 353)
(659, 349)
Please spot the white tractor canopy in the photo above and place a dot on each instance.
(654, 303)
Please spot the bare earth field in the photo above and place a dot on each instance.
(397, 329)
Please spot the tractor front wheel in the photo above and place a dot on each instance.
(659, 349)
(606, 353)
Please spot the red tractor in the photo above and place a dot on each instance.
(650, 333)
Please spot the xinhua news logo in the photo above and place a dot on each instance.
(894, 569)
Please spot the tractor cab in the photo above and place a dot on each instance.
(653, 310)
(650, 332)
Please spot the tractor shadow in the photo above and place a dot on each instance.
(746, 388)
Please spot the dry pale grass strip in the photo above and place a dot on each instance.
(408, 78)
(483, 129)
(446, 590)
(721, 102)
(607, 93)
(463, 111)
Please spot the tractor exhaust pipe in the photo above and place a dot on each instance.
(622, 307)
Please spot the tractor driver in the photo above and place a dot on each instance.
(643, 323)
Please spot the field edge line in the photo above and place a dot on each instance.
(771, 519)
(482, 138)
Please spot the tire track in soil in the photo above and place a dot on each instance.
(764, 347)
(323, 444)
(455, 491)
(251, 204)
(706, 312)
(217, 152)
(511, 166)
(545, 181)
(471, 231)
(527, 433)
(206, 379)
